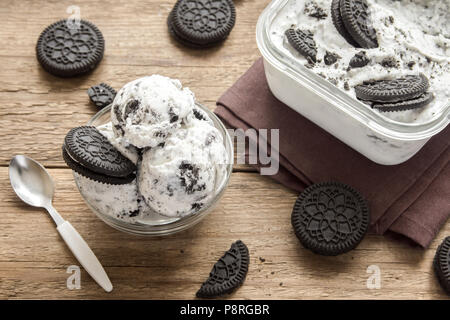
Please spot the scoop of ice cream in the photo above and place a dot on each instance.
(119, 142)
(181, 177)
(122, 202)
(147, 110)
(195, 115)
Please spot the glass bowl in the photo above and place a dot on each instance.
(155, 224)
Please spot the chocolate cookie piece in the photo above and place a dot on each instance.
(201, 23)
(330, 218)
(88, 147)
(312, 9)
(415, 103)
(66, 48)
(357, 22)
(75, 166)
(401, 89)
(330, 58)
(228, 273)
(441, 264)
(359, 60)
(101, 95)
(389, 62)
(303, 42)
(339, 24)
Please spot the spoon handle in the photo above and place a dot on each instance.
(84, 254)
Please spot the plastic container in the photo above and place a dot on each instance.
(155, 224)
(377, 137)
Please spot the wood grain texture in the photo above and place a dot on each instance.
(37, 110)
(36, 106)
(33, 259)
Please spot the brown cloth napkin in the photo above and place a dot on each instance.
(411, 199)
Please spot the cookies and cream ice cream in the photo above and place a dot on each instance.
(147, 110)
(180, 155)
(180, 177)
(413, 38)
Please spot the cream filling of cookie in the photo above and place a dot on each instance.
(413, 37)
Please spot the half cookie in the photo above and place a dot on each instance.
(228, 273)
(303, 42)
(101, 95)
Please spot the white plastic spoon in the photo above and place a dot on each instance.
(33, 184)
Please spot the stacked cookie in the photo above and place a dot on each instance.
(330, 218)
(200, 23)
(352, 20)
(68, 48)
(400, 94)
(90, 154)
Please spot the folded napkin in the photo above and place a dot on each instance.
(411, 199)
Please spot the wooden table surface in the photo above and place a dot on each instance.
(37, 110)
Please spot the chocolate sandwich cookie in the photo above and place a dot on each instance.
(228, 273)
(415, 103)
(303, 42)
(356, 18)
(330, 218)
(201, 23)
(401, 89)
(441, 264)
(183, 41)
(339, 24)
(67, 48)
(85, 172)
(91, 150)
(101, 95)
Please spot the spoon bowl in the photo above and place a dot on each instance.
(31, 181)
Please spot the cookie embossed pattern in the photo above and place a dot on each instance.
(228, 273)
(330, 218)
(358, 42)
(201, 23)
(69, 51)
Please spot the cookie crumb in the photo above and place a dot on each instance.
(312, 9)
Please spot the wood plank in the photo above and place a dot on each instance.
(255, 209)
(37, 109)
